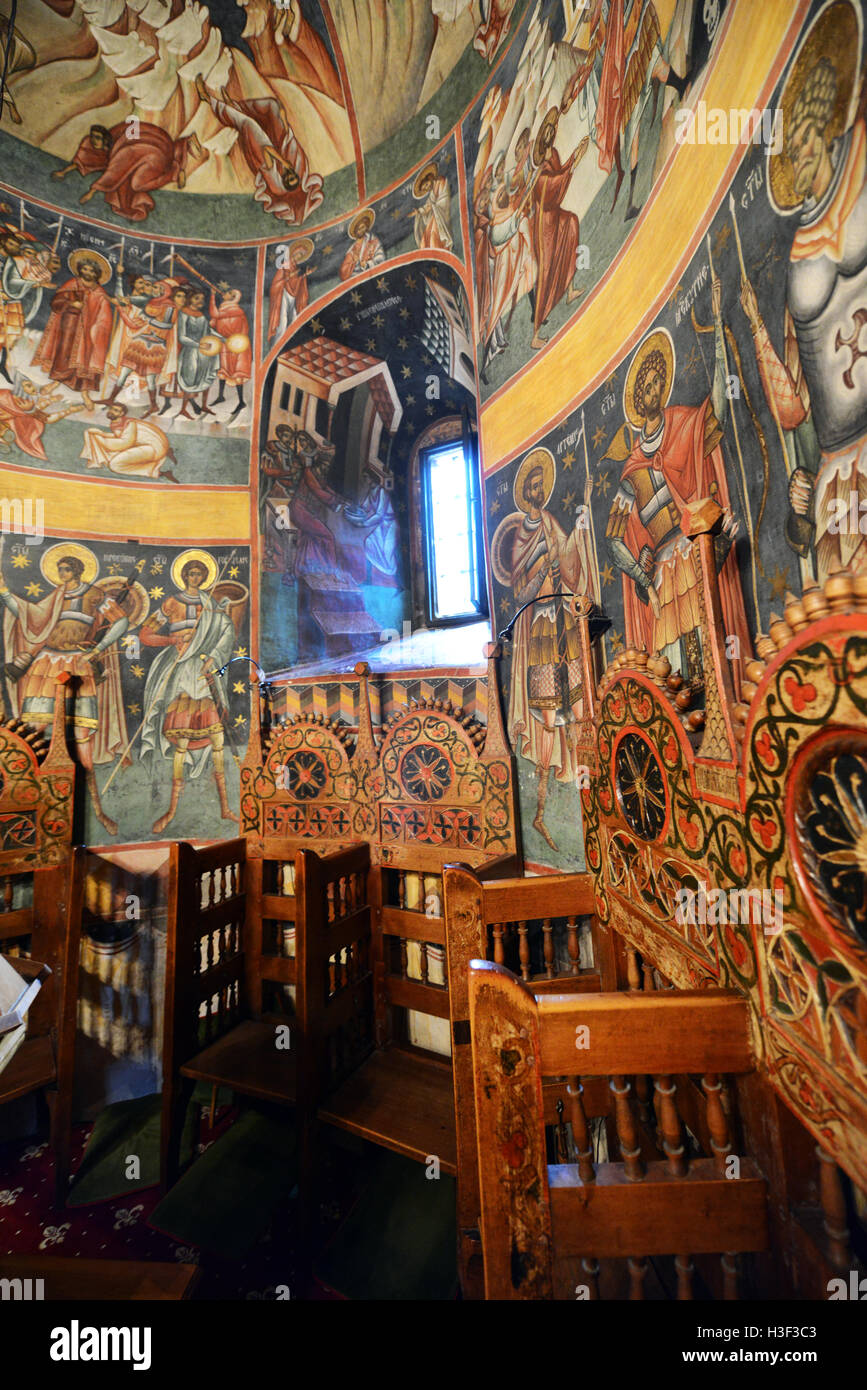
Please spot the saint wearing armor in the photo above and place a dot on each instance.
(676, 459)
(76, 627)
(185, 697)
(817, 388)
(535, 557)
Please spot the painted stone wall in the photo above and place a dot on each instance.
(742, 380)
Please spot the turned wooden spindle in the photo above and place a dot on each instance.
(717, 1120)
(7, 894)
(731, 1277)
(590, 1273)
(627, 1129)
(401, 888)
(423, 964)
(548, 948)
(403, 961)
(685, 1271)
(524, 950)
(669, 1126)
(573, 946)
(332, 975)
(833, 1201)
(344, 967)
(633, 970)
(580, 1130)
(499, 952)
(637, 1275)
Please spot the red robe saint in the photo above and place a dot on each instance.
(25, 421)
(288, 281)
(691, 473)
(228, 320)
(610, 100)
(74, 344)
(555, 235)
(88, 160)
(136, 166)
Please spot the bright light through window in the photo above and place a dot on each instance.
(453, 536)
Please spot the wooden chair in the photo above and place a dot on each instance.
(546, 1227)
(213, 1028)
(437, 785)
(36, 805)
(490, 920)
(226, 1004)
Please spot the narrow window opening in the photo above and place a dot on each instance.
(454, 549)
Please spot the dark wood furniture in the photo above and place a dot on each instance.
(546, 1227)
(36, 804)
(81, 1280)
(493, 920)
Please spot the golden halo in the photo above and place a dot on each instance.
(48, 562)
(301, 249)
(501, 545)
(136, 603)
(237, 342)
(429, 171)
(659, 340)
(537, 458)
(83, 253)
(551, 119)
(205, 559)
(835, 35)
(368, 216)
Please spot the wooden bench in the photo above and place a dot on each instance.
(547, 1226)
(77, 1280)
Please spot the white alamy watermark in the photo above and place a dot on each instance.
(712, 125)
(22, 1290)
(719, 907)
(77, 1343)
(23, 517)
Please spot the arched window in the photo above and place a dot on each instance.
(448, 550)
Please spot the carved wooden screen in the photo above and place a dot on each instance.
(727, 845)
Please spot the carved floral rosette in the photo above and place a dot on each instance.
(806, 819)
(686, 841)
(303, 789)
(35, 807)
(439, 791)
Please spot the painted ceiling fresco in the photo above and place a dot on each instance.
(294, 108)
(562, 151)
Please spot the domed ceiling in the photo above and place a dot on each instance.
(296, 109)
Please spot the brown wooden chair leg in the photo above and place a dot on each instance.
(176, 1100)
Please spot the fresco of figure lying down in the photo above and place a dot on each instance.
(142, 350)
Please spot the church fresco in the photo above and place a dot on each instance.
(122, 356)
(422, 213)
(144, 631)
(562, 152)
(344, 402)
(264, 112)
(725, 395)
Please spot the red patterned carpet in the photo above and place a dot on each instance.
(117, 1229)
